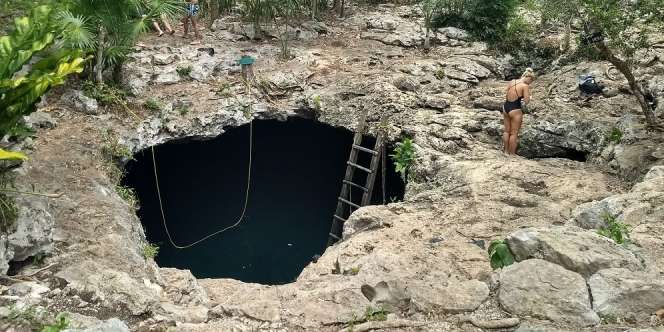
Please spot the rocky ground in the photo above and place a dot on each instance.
(424, 260)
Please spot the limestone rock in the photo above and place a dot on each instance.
(391, 296)
(6, 254)
(186, 314)
(544, 290)
(455, 297)
(367, 218)
(489, 103)
(181, 287)
(80, 102)
(455, 33)
(435, 101)
(28, 289)
(404, 83)
(160, 59)
(584, 252)
(620, 293)
(34, 228)
(468, 66)
(111, 325)
(40, 119)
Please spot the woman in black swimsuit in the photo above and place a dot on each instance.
(516, 96)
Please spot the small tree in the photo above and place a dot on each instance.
(430, 9)
(617, 29)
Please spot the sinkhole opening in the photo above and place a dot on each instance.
(297, 172)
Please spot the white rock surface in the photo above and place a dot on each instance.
(545, 290)
(624, 294)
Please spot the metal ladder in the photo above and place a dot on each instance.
(344, 201)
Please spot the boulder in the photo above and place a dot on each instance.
(404, 83)
(584, 252)
(621, 293)
(391, 296)
(80, 102)
(40, 119)
(545, 290)
(455, 297)
(34, 228)
(435, 102)
(643, 205)
(455, 33)
(467, 66)
(28, 289)
(489, 103)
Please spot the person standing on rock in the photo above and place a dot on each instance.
(517, 95)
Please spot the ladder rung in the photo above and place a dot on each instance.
(335, 237)
(339, 218)
(361, 148)
(360, 167)
(356, 185)
(350, 203)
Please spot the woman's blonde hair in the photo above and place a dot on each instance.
(529, 73)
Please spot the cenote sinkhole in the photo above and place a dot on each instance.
(297, 171)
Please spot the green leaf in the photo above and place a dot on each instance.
(10, 155)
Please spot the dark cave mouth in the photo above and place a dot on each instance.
(297, 172)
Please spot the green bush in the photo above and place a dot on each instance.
(184, 71)
(615, 135)
(404, 157)
(485, 20)
(150, 251)
(128, 195)
(500, 254)
(614, 230)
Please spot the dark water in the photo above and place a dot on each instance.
(297, 172)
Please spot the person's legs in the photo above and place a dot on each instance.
(167, 25)
(158, 28)
(506, 132)
(185, 22)
(194, 24)
(516, 118)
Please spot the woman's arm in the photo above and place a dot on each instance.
(526, 94)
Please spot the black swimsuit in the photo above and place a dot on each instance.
(513, 105)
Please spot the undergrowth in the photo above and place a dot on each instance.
(114, 154)
(614, 229)
(184, 71)
(150, 250)
(106, 95)
(128, 195)
(39, 319)
(152, 105)
(371, 314)
(404, 156)
(8, 208)
(615, 135)
(500, 254)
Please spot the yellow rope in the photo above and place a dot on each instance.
(244, 209)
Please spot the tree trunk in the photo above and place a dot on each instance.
(99, 64)
(214, 12)
(624, 68)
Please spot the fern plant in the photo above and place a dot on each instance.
(403, 157)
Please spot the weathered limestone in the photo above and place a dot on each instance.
(584, 252)
(624, 294)
(545, 290)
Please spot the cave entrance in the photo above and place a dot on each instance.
(296, 177)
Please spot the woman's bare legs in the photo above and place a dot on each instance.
(167, 25)
(185, 22)
(506, 132)
(516, 119)
(194, 24)
(158, 28)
